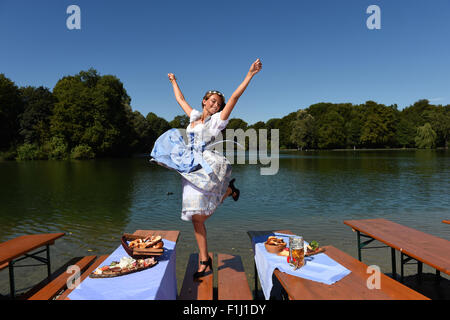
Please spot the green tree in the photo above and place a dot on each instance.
(285, 127)
(91, 110)
(35, 120)
(144, 135)
(353, 126)
(414, 113)
(157, 126)
(439, 118)
(180, 121)
(274, 123)
(11, 106)
(331, 132)
(236, 123)
(426, 137)
(379, 125)
(303, 130)
(404, 133)
(258, 125)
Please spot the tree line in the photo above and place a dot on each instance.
(88, 115)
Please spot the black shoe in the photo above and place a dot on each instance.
(234, 192)
(207, 263)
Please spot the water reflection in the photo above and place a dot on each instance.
(89, 200)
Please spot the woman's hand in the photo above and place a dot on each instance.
(171, 77)
(255, 67)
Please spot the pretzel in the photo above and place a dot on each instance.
(152, 241)
(274, 241)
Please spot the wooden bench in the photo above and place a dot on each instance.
(412, 244)
(197, 289)
(231, 281)
(51, 290)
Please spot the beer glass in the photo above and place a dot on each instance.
(296, 252)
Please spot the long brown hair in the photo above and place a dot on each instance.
(210, 93)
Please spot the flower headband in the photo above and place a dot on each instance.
(216, 92)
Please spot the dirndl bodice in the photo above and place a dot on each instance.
(196, 154)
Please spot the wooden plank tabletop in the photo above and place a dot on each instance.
(424, 247)
(351, 287)
(11, 249)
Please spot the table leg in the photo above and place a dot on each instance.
(394, 267)
(256, 283)
(401, 266)
(48, 262)
(359, 245)
(419, 271)
(11, 280)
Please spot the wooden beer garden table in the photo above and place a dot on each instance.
(351, 287)
(412, 244)
(11, 250)
(146, 284)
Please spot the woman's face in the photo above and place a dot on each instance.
(213, 103)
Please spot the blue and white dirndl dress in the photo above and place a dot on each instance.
(205, 173)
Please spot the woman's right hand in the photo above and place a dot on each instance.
(255, 67)
(171, 77)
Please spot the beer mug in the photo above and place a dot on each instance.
(296, 252)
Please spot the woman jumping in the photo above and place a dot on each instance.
(205, 173)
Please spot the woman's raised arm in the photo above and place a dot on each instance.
(179, 96)
(254, 69)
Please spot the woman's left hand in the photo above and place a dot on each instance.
(255, 67)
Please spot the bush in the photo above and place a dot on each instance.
(29, 151)
(8, 155)
(82, 151)
(56, 149)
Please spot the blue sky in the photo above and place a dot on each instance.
(312, 51)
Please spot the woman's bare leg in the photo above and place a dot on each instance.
(200, 235)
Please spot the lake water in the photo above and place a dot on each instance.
(94, 202)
